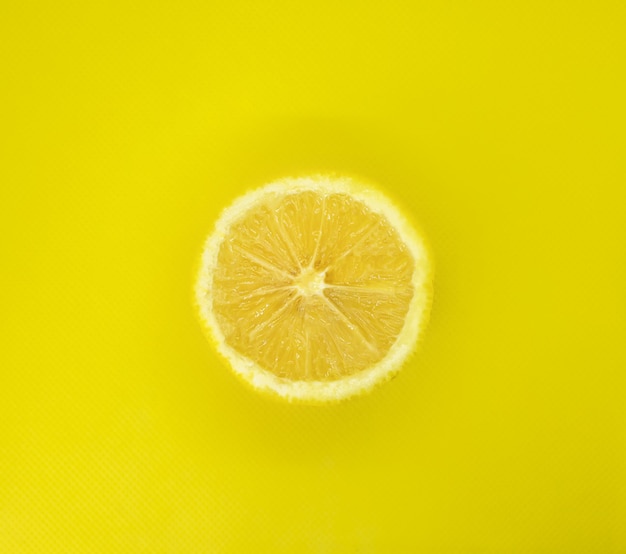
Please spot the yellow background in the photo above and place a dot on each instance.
(128, 126)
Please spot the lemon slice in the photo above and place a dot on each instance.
(314, 289)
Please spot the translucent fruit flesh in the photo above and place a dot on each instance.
(312, 286)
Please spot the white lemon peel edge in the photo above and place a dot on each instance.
(318, 391)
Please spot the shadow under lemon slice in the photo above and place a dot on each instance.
(315, 288)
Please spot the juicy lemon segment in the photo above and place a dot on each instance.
(312, 289)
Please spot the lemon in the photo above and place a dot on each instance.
(314, 288)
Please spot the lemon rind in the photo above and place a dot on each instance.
(319, 391)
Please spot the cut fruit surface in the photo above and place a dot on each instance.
(314, 289)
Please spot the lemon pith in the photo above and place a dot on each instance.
(314, 288)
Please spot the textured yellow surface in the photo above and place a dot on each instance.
(127, 126)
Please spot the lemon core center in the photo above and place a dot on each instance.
(310, 281)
